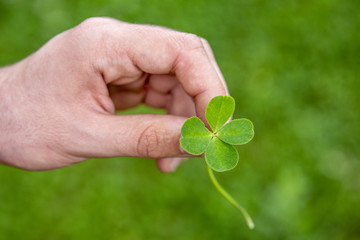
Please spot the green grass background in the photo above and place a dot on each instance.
(293, 68)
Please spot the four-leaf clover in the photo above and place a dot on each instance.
(220, 154)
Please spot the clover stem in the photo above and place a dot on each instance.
(247, 217)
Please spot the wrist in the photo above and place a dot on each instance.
(8, 75)
(4, 75)
(4, 82)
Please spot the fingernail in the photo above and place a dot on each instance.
(175, 163)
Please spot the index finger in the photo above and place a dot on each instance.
(158, 50)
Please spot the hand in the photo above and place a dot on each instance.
(57, 105)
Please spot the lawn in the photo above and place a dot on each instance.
(293, 68)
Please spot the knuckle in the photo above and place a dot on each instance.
(150, 142)
(91, 25)
(94, 21)
(191, 41)
(91, 37)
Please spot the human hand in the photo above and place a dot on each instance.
(57, 105)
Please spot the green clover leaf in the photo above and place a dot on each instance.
(218, 111)
(237, 132)
(220, 154)
(196, 136)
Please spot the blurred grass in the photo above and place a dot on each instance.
(293, 68)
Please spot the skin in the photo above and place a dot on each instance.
(57, 105)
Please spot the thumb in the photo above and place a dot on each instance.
(145, 135)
